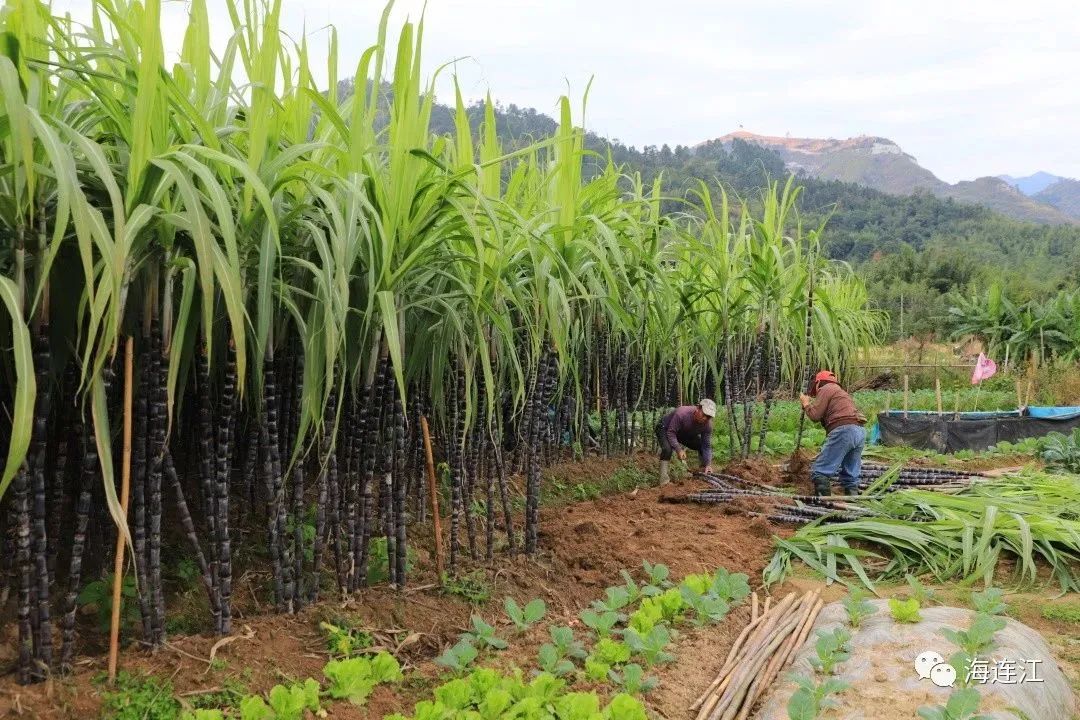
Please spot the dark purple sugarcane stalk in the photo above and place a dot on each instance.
(88, 477)
(192, 534)
(457, 431)
(400, 485)
(371, 450)
(268, 437)
(158, 423)
(38, 452)
(207, 473)
(532, 494)
(386, 471)
(223, 466)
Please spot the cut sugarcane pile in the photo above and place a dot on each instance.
(764, 648)
(780, 505)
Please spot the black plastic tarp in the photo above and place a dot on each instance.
(950, 432)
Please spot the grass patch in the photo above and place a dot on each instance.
(473, 587)
(1065, 612)
(139, 698)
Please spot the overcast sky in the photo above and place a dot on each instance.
(968, 88)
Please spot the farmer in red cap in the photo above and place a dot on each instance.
(830, 405)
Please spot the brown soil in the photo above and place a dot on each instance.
(583, 548)
(798, 471)
(754, 469)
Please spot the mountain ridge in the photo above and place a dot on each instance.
(1033, 184)
(880, 163)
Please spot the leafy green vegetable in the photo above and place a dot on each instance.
(658, 574)
(562, 638)
(977, 638)
(526, 617)
(962, 704)
(483, 634)
(989, 601)
(812, 698)
(290, 702)
(858, 607)
(831, 648)
(596, 670)
(354, 679)
(253, 707)
(552, 661)
(611, 652)
(459, 657)
(633, 680)
(707, 606)
(650, 646)
(600, 622)
(905, 611)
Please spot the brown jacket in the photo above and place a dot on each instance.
(833, 408)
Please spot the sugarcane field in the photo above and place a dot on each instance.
(333, 384)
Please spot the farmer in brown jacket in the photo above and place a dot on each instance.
(830, 405)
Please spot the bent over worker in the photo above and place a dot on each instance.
(688, 426)
(830, 405)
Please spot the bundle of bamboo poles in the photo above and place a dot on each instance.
(764, 648)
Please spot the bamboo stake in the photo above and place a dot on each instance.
(725, 666)
(1019, 395)
(810, 601)
(754, 643)
(937, 392)
(125, 485)
(906, 396)
(434, 496)
(956, 406)
(736, 692)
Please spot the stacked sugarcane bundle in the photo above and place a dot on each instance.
(765, 647)
(783, 506)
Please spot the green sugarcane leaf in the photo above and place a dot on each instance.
(22, 417)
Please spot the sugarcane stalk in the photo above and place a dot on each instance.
(808, 348)
(224, 449)
(386, 473)
(40, 544)
(125, 487)
(400, 485)
(87, 476)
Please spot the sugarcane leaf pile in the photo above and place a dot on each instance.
(305, 273)
(1029, 517)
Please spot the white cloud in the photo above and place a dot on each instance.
(969, 89)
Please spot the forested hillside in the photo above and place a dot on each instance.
(915, 250)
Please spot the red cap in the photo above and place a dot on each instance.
(825, 375)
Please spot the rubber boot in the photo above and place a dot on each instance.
(665, 467)
(849, 489)
(822, 484)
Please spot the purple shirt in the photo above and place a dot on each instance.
(681, 429)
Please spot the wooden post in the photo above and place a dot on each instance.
(905, 396)
(956, 406)
(433, 493)
(937, 392)
(125, 485)
(1019, 395)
